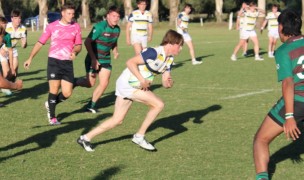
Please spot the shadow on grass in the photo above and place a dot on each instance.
(292, 151)
(108, 173)
(47, 138)
(250, 52)
(181, 63)
(173, 123)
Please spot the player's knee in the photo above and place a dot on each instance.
(159, 105)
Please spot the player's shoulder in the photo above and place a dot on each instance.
(136, 12)
(148, 13)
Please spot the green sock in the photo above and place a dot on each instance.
(91, 104)
(262, 175)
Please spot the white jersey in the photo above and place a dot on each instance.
(273, 20)
(17, 34)
(250, 20)
(140, 22)
(184, 18)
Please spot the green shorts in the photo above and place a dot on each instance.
(89, 68)
(277, 112)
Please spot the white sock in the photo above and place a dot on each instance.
(139, 135)
(193, 59)
(84, 137)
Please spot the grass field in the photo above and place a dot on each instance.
(205, 131)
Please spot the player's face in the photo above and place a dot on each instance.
(252, 8)
(16, 21)
(113, 18)
(175, 49)
(142, 6)
(274, 9)
(187, 9)
(67, 15)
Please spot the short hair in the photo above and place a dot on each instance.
(113, 9)
(2, 31)
(291, 22)
(252, 3)
(16, 13)
(68, 6)
(139, 1)
(275, 5)
(3, 20)
(188, 5)
(172, 37)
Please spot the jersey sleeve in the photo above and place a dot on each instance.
(78, 40)
(179, 16)
(95, 33)
(283, 63)
(7, 39)
(46, 34)
(150, 18)
(149, 54)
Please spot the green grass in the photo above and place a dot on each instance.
(204, 132)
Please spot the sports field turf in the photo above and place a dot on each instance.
(205, 131)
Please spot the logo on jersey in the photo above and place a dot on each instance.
(278, 66)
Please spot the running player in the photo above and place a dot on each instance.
(182, 28)
(250, 13)
(99, 43)
(139, 27)
(151, 60)
(289, 110)
(65, 43)
(273, 34)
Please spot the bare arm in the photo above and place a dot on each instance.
(10, 85)
(167, 81)
(75, 51)
(34, 51)
(128, 29)
(88, 45)
(150, 31)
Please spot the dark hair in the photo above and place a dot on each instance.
(188, 5)
(172, 37)
(16, 13)
(3, 20)
(113, 9)
(252, 3)
(67, 6)
(291, 22)
(139, 1)
(275, 5)
(2, 31)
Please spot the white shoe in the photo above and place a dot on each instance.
(195, 62)
(258, 58)
(143, 143)
(7, 92)
(270, 55)
(233, 57)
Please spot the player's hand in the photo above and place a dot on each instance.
(128, 42)
(73, 56)
(168, 83)
(95, 64)
(13, 72)
(116, 54)
(291, 130)
(145, 85)
(27, 64)
(19, 84)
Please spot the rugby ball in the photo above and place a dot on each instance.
(134, 82)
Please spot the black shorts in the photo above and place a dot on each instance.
(89, 68)
(60, 70)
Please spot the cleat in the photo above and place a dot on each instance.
(233, 57)
(195, 62)
(85, 144)
(7, 92)
(54, 121)
(92, 110)
(141, 141)
(258, 58)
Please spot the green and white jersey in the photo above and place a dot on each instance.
(104, 39)
(290, 63)
(273, 20)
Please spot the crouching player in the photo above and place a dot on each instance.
(151, 60)
(289, 110)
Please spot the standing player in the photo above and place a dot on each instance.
(150, 61)
(289, 110)
(140, 25)
(65, 45)
(99, 43)
(17, 32)
(273, 34)
(250, 13)
(182, 28)
(240, 24)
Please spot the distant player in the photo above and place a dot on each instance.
(240, 24)
(182, 28)
(139, 29)
(99, 43)
(156, 60)
(251, 14)
(65, 35)
(273, 34)
(289, 110)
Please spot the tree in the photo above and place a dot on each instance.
(1, 11)
(85, 13)
(154, 11)
(173, 11)
(43, 9)
(128, 8)
(218, 10)
(302, 10)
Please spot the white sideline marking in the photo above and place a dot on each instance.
(248, 94)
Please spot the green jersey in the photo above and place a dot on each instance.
(7, 40)
(104, 39)
(290, 63)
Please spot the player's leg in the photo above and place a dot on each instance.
(236, 49)
(90, 79)
(270, 46)
(104, 77)
(121, 108)
(5, 67)
(50, 105)
(15, 64)
(245, 48)
(256, 47)
(274, 43)
(137, 48)
(266, 133)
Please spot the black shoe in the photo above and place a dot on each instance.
(85, 144)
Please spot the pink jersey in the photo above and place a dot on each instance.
(63, 39)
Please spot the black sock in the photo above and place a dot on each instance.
(75, 82)
(52, 104)
(60, 98)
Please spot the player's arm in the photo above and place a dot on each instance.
(264, 24)
(128, 29)
(167, 81)
(10, 85)
(10, 58)
(34, 51)
(76, 49)
(290, 126)
(150, 31)
(115, 51)
(24, 40)
(88, 45)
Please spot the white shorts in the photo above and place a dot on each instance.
(185, 35)
(15, 52)
(123, 88)
(3, 55)
(273, 33)
(244, 34)
(3, 58)
(143, 40)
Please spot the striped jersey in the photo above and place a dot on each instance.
(104, 39)
(250, 20)
(63, 39)
(140, 22)
(184, 20)
(290, 63)
(272, 20)
(17, 34)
